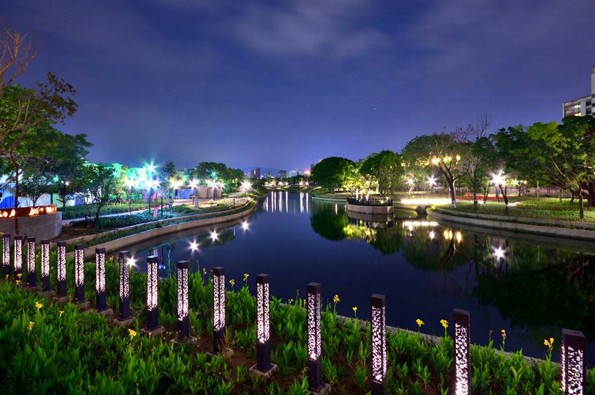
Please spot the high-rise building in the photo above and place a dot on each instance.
(583, 105)
(255, 173)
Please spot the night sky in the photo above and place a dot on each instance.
(255, 84)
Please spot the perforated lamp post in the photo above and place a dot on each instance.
(314, 337)
(79, 273)
(263, 332)
(61, 269)
(124, 265)
(31, 277)
(152, 293)
(183, 319)
(572, 362)
(378, 346)
(462, 363)
(100, 279)
(6, 254)
(45, 265)
(18, 255)
(218, 309)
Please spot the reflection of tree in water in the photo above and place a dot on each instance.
(327, 223)
(437, 249)
(538, 287)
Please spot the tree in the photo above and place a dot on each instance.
(16, 52)
(482, 161)
(448, 152)
(100, 182)
(333, 172)
(569, 153)
(385, 167)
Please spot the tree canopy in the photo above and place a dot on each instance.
(332, 173)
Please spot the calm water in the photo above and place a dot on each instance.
(425, 269)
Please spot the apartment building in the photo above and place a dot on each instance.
(583, 105)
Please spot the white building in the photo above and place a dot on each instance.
(583, 105)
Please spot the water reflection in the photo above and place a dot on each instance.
(279, 201)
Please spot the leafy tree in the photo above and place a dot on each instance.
(212, 171)
(385, 167)
(450, 153)
(569, 153)
(332, 173)
(100, 182)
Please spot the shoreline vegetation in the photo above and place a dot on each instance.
(48, 339)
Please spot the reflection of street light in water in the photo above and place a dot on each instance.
(193, 246)
(214, 236)
(245, 225)
(432, 235)
(499, 253)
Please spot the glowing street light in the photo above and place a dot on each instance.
(6, 269)
(246, 186)
(378, 347)
(462, 362)
(315, 382)
(218, 309)
(125, 261)
(45, 265)
(61, 269)
(100, 279)
(79, 273)
(152, 293)
(18, 255)
(31, 262)
(572, 360)
(431, 181)
(183, 319)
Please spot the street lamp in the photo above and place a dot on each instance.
(431, 181)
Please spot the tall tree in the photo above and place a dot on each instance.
(16, 52)
(385, 167)
(100, 182)
(333, 172)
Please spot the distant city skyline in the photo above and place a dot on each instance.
(252, 84)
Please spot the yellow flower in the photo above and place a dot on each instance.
(18, 282)
(38, 305)
(354, 308)
(61, 312)
(246, 275)
(503, 332)
(419, 322)
(444, 323)
(549, 343)
(289, 301)
(131, 333)
(19, 275)
(31, 323)
(232, 282)
(336, 299)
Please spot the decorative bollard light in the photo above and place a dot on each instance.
(124, 262)
(378, 338)
(315, 382)
(45, 265)
(218, 309)
(263, 332)
(79, 273)
(462, 348)
(61, 269)
(183, 319)
(573, 362)
(152, 293)
(100, 279)
(32, 279)
(6, 270)
(18, 255)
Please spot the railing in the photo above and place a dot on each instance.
(370, 201)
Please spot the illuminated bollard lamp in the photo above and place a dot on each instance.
(378, 346)
(462, 362)
(263, 366)
(79, 273)
(572, 361)
(45, 265)
(61, 269)
(18, 256)
(31, 277)
(183, 311)
(218, 309)
(6, 269)
(124, 261)
(153, 327)
(314, 364)
(100, 280)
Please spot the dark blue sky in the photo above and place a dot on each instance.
(283, 84)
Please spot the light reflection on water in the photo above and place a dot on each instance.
(425, 269)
